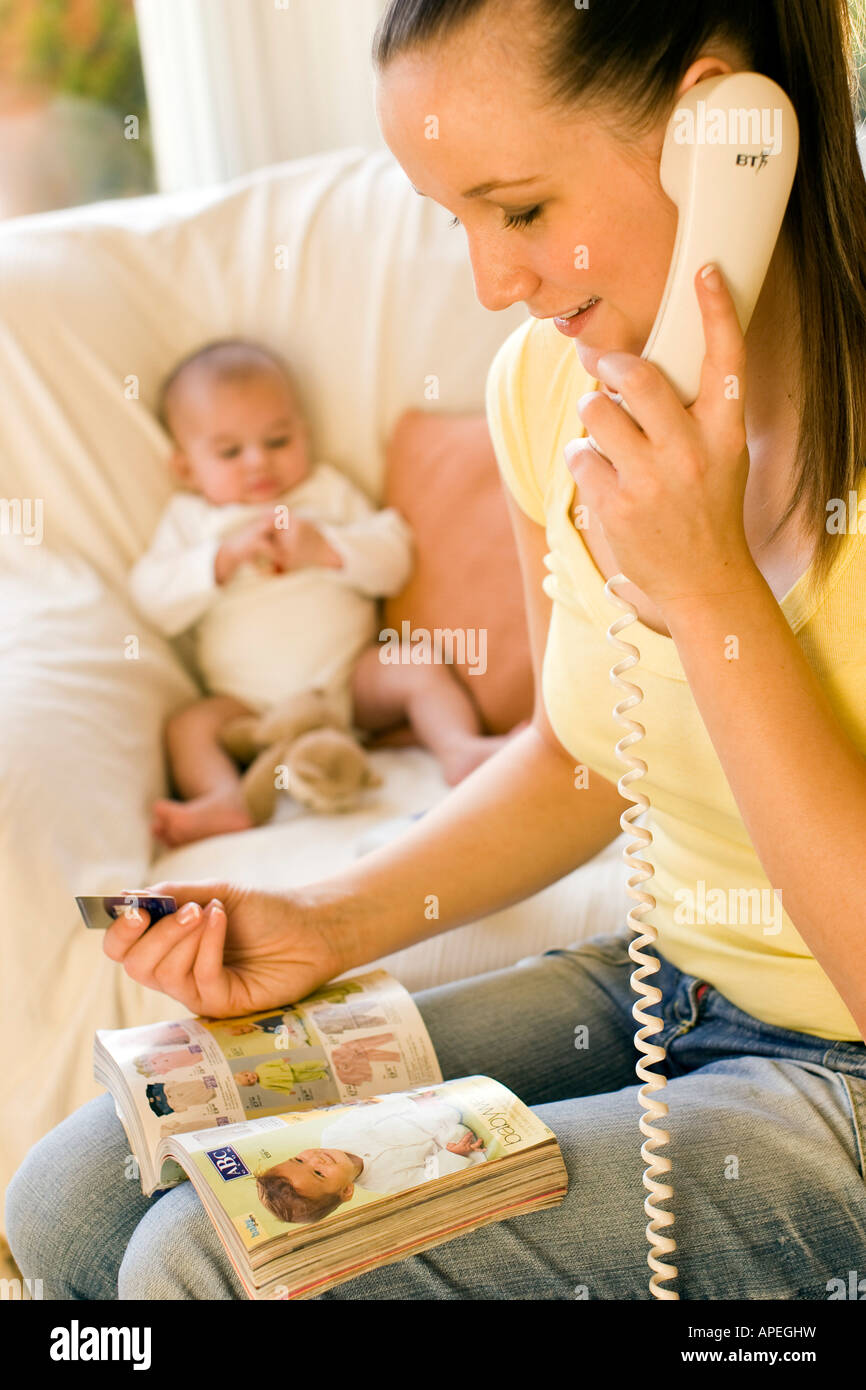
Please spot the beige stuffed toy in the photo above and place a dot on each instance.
(301, 746)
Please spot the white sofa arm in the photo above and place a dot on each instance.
(80, 760)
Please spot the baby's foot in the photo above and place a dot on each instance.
(181, 822)
(468, 753)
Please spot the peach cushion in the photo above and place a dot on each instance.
(441, 474)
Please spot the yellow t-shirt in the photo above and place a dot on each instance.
(709, 922)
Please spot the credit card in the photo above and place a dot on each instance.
(100, 912)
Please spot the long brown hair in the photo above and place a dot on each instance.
(628, 57)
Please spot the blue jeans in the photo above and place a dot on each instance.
(768, 1146)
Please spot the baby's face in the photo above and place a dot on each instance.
(320, 1172)
(242, 440)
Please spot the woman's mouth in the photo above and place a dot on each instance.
(571, 325)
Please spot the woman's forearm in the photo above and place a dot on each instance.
(517, 824)
(798, 779)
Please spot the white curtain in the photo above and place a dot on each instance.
(236, 84)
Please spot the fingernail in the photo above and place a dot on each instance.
(711, 277)
(574, 447)
(189, 913)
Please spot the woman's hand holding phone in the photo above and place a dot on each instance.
(228, 950)
(669, 495)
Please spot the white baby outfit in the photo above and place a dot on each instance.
(401, 1141)
(263, 637)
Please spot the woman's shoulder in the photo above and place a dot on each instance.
(533, 385)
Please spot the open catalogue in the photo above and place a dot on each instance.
(321, 1137)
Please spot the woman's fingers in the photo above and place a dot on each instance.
(195, 892)
(209, 971)
(141, 950)
(595, 476)
(174, 974)
(188, 967)
(608, 425)
(652, 402)
(720, 404)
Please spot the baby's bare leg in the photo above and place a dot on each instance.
(436, 705)
(203, 773)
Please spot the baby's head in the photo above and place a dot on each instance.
(246, 1078)
(309, 1186)
(238, 428)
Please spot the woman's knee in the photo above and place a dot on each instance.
(174, 1253)
(25, 1215)
(55, 1231)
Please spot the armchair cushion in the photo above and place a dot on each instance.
(441, 474)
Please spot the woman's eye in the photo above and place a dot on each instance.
(521, 219)
(512, 219)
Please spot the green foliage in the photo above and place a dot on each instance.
(858, 16)
(103, 66)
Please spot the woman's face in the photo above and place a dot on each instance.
(464, 114)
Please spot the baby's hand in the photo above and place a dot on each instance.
(256, 543)
(465, 1145)
(301, 544)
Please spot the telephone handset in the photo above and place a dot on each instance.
(729, 159)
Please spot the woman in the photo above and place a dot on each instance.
(756, 763)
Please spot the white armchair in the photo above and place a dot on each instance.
(336, 263)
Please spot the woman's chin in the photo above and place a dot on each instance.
(589, 356)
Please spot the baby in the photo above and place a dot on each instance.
(283, 1075)
(404, 1141)
(275, 563)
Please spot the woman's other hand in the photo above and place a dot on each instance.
(669, 494)
(228, 950)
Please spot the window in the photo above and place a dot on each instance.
(858, 14)
(73, 112)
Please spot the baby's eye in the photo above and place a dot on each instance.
(280, 442)
(230, 453)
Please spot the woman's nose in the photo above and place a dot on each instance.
(500, 281)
